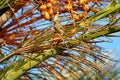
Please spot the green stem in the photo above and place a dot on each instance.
(105, 12)
(94, 35)
(100, 33)
(12, 74)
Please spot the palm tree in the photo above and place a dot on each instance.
(55, 39)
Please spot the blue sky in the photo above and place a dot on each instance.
(114, 46)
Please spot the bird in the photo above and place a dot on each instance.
(57, 24)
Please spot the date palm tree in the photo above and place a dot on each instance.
(55, 39)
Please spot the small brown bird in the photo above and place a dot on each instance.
(57, 25)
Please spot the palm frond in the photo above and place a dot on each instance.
(36, 51)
